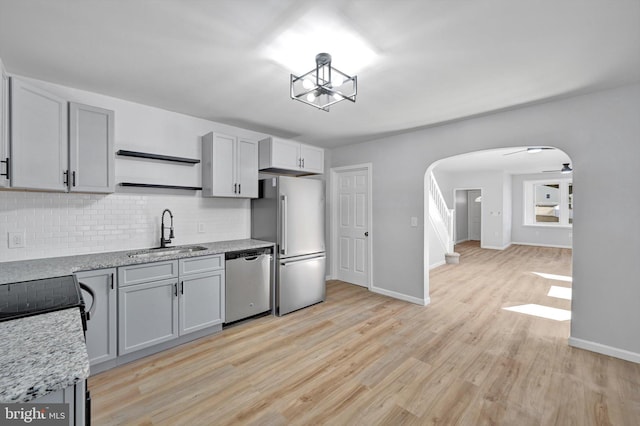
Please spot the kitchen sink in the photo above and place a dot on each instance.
(168, 251)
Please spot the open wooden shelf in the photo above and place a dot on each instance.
(161, 157)
(153, 185)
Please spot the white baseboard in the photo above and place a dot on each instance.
(496, 247)
(435, 265)
(542, 245)
(604, 349)
(400, 296)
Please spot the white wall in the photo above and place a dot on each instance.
(535, 235)
(493, 205)
(59, 224)
(600, 132)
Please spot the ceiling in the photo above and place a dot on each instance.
(514, 161)
(434, 61)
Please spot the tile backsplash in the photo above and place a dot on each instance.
(64, 224)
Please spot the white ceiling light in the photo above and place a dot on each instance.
(319, 31)
(328, 85)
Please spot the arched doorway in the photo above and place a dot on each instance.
(512, 180)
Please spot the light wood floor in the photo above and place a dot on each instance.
(365, 359)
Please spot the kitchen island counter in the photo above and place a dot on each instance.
(41, 354)
(24, 270)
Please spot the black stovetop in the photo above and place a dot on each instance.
(34, 297)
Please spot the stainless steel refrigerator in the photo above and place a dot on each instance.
(290, 213)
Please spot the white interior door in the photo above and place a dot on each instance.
(474, 205)
(352, 223)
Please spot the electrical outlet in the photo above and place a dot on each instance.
(201, 228)
(16, 240)
(414, 222)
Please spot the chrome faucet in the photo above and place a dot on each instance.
(165, 241)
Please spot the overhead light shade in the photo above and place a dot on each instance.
(324, 86)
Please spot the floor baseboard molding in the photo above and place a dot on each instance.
(401, 296)
(604, 349)
(496, 247)
(541, 245)
(435, 265)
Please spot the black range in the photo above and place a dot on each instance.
(26, 298)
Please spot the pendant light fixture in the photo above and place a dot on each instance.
(324, 85)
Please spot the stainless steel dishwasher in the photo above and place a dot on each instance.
(247, 284)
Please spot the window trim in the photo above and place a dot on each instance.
(529, 202)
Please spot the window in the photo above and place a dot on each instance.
(548, 203)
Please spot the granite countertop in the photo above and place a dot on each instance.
(25, 270)
(41, 354)
(44, 353)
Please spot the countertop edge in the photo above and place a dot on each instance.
(32, 269)
(28, 371)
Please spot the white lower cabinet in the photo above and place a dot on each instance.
(157, 302)
(75, 397)
(99, 294)
(4, 128)
(147, 315)
(201, 293)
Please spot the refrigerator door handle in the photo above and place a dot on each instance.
(290, 261)
(283, 216)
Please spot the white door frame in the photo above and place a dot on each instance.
(475, 188)
(333, 180)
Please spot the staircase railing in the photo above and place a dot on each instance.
(446, 214)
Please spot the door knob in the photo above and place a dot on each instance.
(366, 234)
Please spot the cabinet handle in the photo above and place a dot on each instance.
(175, 289)
(239, 188)
(73, 178)
(111, 281)
(235, 188)
(65, 175)
(182, 287)
(303, 163)
(5, 161)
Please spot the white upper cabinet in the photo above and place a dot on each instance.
(91, 158)
(247, 168)
(39, 139)
(290, 157)
(312, 158)
(229, 166)
(59, 146)
(4, 128)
